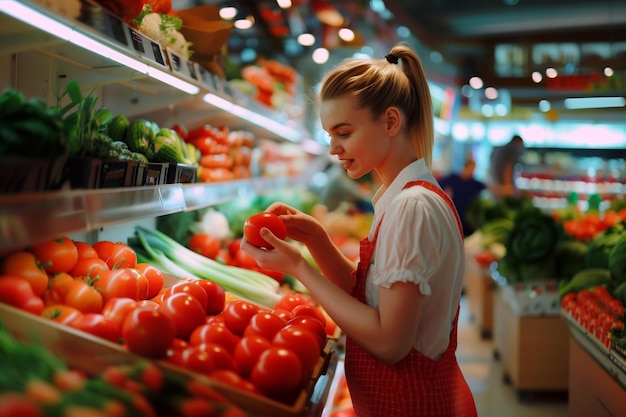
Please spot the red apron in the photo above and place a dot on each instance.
(417, 386)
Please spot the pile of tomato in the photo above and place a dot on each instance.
(101, 289)
(596, 311)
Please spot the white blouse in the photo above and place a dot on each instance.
(419, 241)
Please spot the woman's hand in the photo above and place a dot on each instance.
(300, 226)
(285, 257)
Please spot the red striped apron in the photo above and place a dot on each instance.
(415, 386)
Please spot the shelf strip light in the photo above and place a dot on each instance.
(594, 102)
(273, 126)
(39, 20)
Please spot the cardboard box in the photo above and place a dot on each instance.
(480, 290)
(533, 349)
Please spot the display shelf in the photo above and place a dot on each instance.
(95, 48)
(610, 361)
(27, 218)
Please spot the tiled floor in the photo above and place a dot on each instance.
(484, 374)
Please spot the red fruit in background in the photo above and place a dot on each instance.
(148, 332)
(185, 312)
(247, 353)
(58, 255)
(237, 315)
(216, 296)
(277, 373)
(98, 325)
(18, 292)
(204, 244)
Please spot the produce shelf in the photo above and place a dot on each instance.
(612, 362)
(30, 217)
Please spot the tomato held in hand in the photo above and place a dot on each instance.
(252, 228)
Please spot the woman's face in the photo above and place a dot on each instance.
(356, 138)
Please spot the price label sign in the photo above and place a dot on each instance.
(146, 47)
(182, 66)
(205, 77)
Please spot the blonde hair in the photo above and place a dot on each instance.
(381, 83)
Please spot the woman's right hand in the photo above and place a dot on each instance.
(300, 226)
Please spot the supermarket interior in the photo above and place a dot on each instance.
(141, 141)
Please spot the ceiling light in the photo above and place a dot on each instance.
(346, 35)
(594, 102)
(544, 106)
(228, 13)
(608, 71)
(551, 73)
(306, 39)
(320, 55)
(476, 83)
(57, 28)
(536, 77)
(244, 24)
(491, 93)
(284, 4)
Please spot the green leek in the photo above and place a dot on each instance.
(175, 259)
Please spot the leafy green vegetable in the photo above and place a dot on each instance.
(601, 246)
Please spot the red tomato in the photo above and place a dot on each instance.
(220, 357)
(282, 313)
(98, 325)
(89, 267)
(85, 250)
(277, 373)
(253, 225)
(265, 324)
(300, 341)
(310, 311)
(118, 283)
(142, 284)
(188, 287)
(204, 244)
(104, 249)
(243, 260)
(233, 247)
(18, 292)
(185, 311)
(26, 265)
(148, 303)
(197, 360)
(232, 378)
(216, 296)
(59, 255)
(148, 332)
(290, 301)
(237, 315)
(84, 297)
(118, 308)
(58, 287)
(122, 256)
(61, 313)
(13, 404)
(311, 324)
(154, 276)
(214, 332)
(247, 353)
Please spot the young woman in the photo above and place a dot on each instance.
(399, 307)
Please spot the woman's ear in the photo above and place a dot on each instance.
(393, 118)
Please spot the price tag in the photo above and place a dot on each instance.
(105, 22)
(182, 66)
(146, 47)
(205, 77)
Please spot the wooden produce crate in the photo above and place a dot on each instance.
(595, 388)
(533, 349)
(91, 354)
(479, 290)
